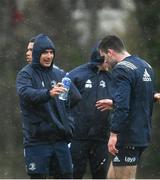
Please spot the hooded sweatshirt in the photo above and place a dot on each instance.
(45, 119)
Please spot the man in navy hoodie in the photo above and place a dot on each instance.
(29, 52)
(91, 125)
(133, 94)
(47, 123)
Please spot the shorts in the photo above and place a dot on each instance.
(48, 159)
(127, 156)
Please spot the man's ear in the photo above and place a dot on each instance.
(110, 52)
(101, 52)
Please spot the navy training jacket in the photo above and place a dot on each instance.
(90, 123)
(133, 90)
(45, 119)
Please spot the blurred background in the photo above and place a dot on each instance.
(75, 26)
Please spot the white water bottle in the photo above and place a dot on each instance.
(66, 81)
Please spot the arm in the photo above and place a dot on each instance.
(112, 143)
(26, 90)
(30, 94)
(75, 95)
(121, 96)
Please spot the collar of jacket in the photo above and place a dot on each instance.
(42, 68)
(94, 67)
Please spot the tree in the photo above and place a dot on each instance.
(148, 18)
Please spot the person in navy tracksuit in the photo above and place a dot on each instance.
(91, 125)
(133, 97)
(47, 123)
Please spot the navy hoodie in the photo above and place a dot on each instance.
(90, 123)
(45, 119)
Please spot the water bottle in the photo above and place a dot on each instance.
(66, 84)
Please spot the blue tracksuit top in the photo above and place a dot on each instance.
(45, 119)
(133, 89)
(90, 123)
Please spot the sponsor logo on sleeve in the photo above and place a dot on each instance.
(146, 76)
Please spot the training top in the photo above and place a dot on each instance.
(133, 89)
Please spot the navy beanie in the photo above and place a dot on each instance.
(95, 57)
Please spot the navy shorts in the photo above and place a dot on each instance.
(127, 156)
(48, 159)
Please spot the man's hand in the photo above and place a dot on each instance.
(57, 89)
(157, 97)
(104, 104)
(112, 143)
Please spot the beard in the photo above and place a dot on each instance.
(111, 62)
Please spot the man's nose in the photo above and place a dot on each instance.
(50, 55)
(27, 53)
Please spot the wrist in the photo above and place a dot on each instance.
(113, 134)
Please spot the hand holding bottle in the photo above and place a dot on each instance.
(66, 84)
(57, 89)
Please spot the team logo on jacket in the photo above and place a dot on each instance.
(146, 76)
(32, 166)
(53, 83)
(88, 84)
(102, 84)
